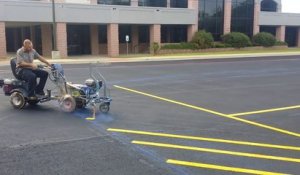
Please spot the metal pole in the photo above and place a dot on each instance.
(127, 46)
(54, 26)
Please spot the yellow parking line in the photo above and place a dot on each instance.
(212, 112)
(264, 145)
(221, 168)
(217, 151)
(265, 111)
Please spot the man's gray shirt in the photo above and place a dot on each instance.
(27, 57)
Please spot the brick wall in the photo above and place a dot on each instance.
(192, 29)
(94, 2)
(134, 3)
(2, 40)
(61, 39)
(58, 1)
(280, 33)
(113, 40)
(155, 33)
(192, 4)
(46, 32)
(256, 17)
(227, 16)
(168, 3)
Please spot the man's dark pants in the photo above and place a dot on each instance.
(30, 76)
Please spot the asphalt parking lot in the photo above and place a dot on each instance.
(180, 117)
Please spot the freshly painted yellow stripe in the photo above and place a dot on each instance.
(172, 101)
(213, 112)
(221, 168)
(266, 111)
(293, 148)
(217, 151)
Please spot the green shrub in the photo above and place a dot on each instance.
(236, 40)
(179, 46)
(219, 45)
(203, 40)
(155, 48)
(264, 39)
(280, 43)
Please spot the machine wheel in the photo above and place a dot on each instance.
(33, 102)
(67, 104)
(104, 107)
(17, 100)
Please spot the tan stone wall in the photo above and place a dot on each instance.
(46, 33)
(113, 40)
(58, 1)
(61, 39)
(134, 3)
(256, 18)
(155, 33)
(2, 40)
(192, 29)
(192, 4)
(227, 16)
(280, 33)
(94, 2)
(168, 3)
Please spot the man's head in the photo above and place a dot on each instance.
(27, 45)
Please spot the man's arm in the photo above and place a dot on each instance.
(42, 59)
(23, 64)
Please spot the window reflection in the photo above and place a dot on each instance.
(242, 16)
(179, 3)
(153, 3)
(173, 33)
(114, 2)
(269, 6)
(211, 14)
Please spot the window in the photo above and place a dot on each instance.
(144, 34)
(268, 6)
(78, 39)
(211, 17)
(179, 3)
(153, 3)
(242, 16)
(173, 33)
(268, 29)
(291, 36)
(114, 2)
(102, 34)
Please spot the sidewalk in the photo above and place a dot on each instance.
(102, 59)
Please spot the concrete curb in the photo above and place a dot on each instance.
(90, 59)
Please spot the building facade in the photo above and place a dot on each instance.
(100, 27)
